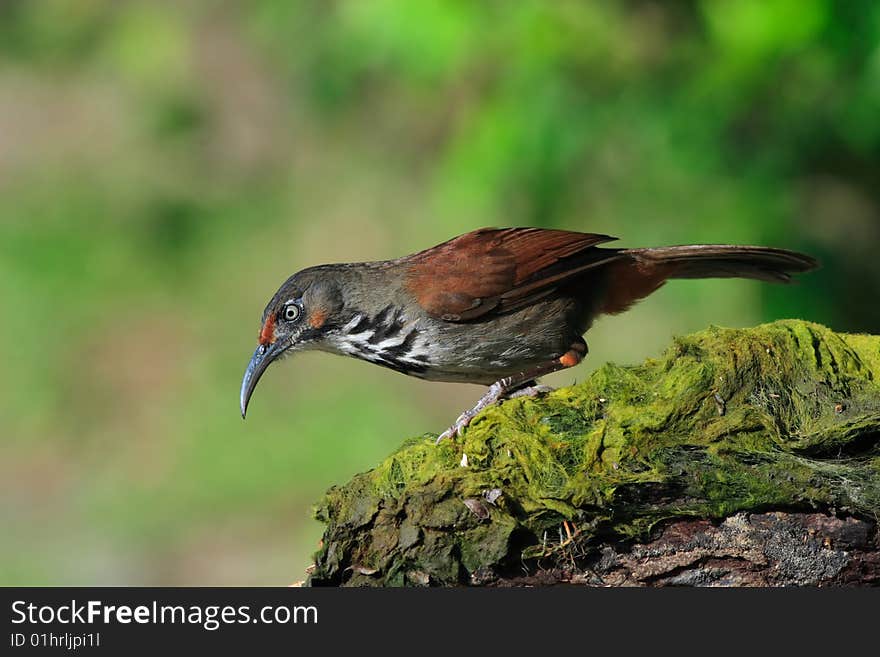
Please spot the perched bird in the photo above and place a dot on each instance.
(499, 307)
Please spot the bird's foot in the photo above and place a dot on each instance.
(458, 426)
(496, 392)
(521, 385)
(465, 418)
(530, 391)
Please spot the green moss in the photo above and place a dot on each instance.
(784, 415)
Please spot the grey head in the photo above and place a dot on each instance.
(306, 307)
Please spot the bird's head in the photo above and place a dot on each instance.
(304, 309)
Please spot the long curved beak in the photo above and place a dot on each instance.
(262, 358)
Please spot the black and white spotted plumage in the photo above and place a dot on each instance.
(386, 339)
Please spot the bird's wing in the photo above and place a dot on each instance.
(499, 270)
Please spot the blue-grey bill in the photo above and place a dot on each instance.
(263, 356)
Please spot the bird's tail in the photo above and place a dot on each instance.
(726, 261)
(645, 270)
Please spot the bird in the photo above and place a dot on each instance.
(498, 307)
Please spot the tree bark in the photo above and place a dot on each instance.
(740, 457)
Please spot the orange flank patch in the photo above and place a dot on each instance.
(267, 335)
(317, 318)
(569, 359)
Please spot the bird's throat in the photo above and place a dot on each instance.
(386, 338)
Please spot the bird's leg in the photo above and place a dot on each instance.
(501, 388)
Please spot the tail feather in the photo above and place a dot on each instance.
(633, 278)
(727, 261)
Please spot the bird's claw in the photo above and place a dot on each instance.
(495, 393)
(455, 430)
(449, 433)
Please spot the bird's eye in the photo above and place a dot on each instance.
(291, 312)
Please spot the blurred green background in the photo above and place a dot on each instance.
(164, 165)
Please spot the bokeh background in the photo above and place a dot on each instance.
(164, 165)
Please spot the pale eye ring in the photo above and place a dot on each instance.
(291, 312)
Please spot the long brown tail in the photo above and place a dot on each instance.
(634, 278)
(727, 261)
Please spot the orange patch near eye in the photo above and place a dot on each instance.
(569, 359)
(267, 335)
(317, 319)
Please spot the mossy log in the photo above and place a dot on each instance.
(738, 457)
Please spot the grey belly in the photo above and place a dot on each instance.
(483, 352)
